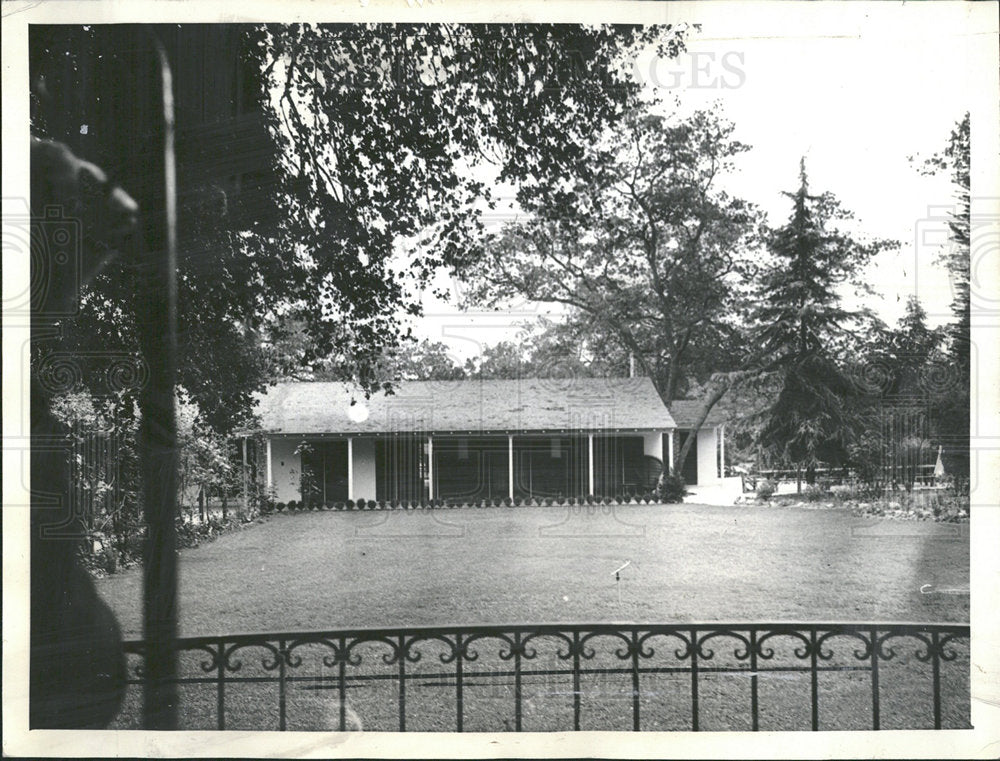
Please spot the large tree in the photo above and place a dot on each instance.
(952, 413)
(649, 256)
(899, 378)
(803, 333)
(362, 179)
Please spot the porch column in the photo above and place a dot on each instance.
(722, 451)
(430, 467)
(267, 462)
(350, 467)
(590, 463)
(670, 452)
(510, 466)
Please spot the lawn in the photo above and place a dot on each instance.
(554, 564)
(689, 563)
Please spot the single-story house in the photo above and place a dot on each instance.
(706, 461)
(466, 439)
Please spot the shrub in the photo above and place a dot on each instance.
(280, 507)
(338, 506)
(350, 504)
(670, 489)
(766, 489)
(814, 493)
(590, 499)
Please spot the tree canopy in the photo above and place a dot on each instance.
(373, 134)
(645, 249)
(802, 332)
(951, 413)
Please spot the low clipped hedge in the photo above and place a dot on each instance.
(589, 501)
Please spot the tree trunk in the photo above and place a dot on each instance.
(246, 487)
(715, 392)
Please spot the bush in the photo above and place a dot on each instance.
(670, 489)
(350, 504)
(814, 493)
(766, 489)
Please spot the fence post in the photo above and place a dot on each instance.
(875, 699)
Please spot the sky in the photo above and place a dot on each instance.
(856, 94)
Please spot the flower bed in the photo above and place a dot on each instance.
(939, 505)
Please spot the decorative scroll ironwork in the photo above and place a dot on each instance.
(514, 660)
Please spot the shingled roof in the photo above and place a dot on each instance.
(685, 412)
(470, 406)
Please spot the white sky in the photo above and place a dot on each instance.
(856, 95)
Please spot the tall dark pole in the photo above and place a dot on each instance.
(158, 434)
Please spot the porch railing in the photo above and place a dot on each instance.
(556, 677)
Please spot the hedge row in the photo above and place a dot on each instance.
(439, 504)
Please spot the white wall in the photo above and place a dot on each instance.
(652, 445)
(708, 457)
(286, 469)
(364, 469)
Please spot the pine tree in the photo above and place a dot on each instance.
(802, 333)
(952, 409)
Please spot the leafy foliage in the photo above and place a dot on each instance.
(670, 489)
(766, 489)
(364, 182)
(641, 247)
(803, 332)
(952, 419)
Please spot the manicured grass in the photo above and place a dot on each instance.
(552, 564)
(689, 563)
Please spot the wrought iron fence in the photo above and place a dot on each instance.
(572, 677)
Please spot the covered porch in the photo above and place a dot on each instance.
(468, 467)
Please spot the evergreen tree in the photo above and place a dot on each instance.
(803, 333)
(952, 411)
